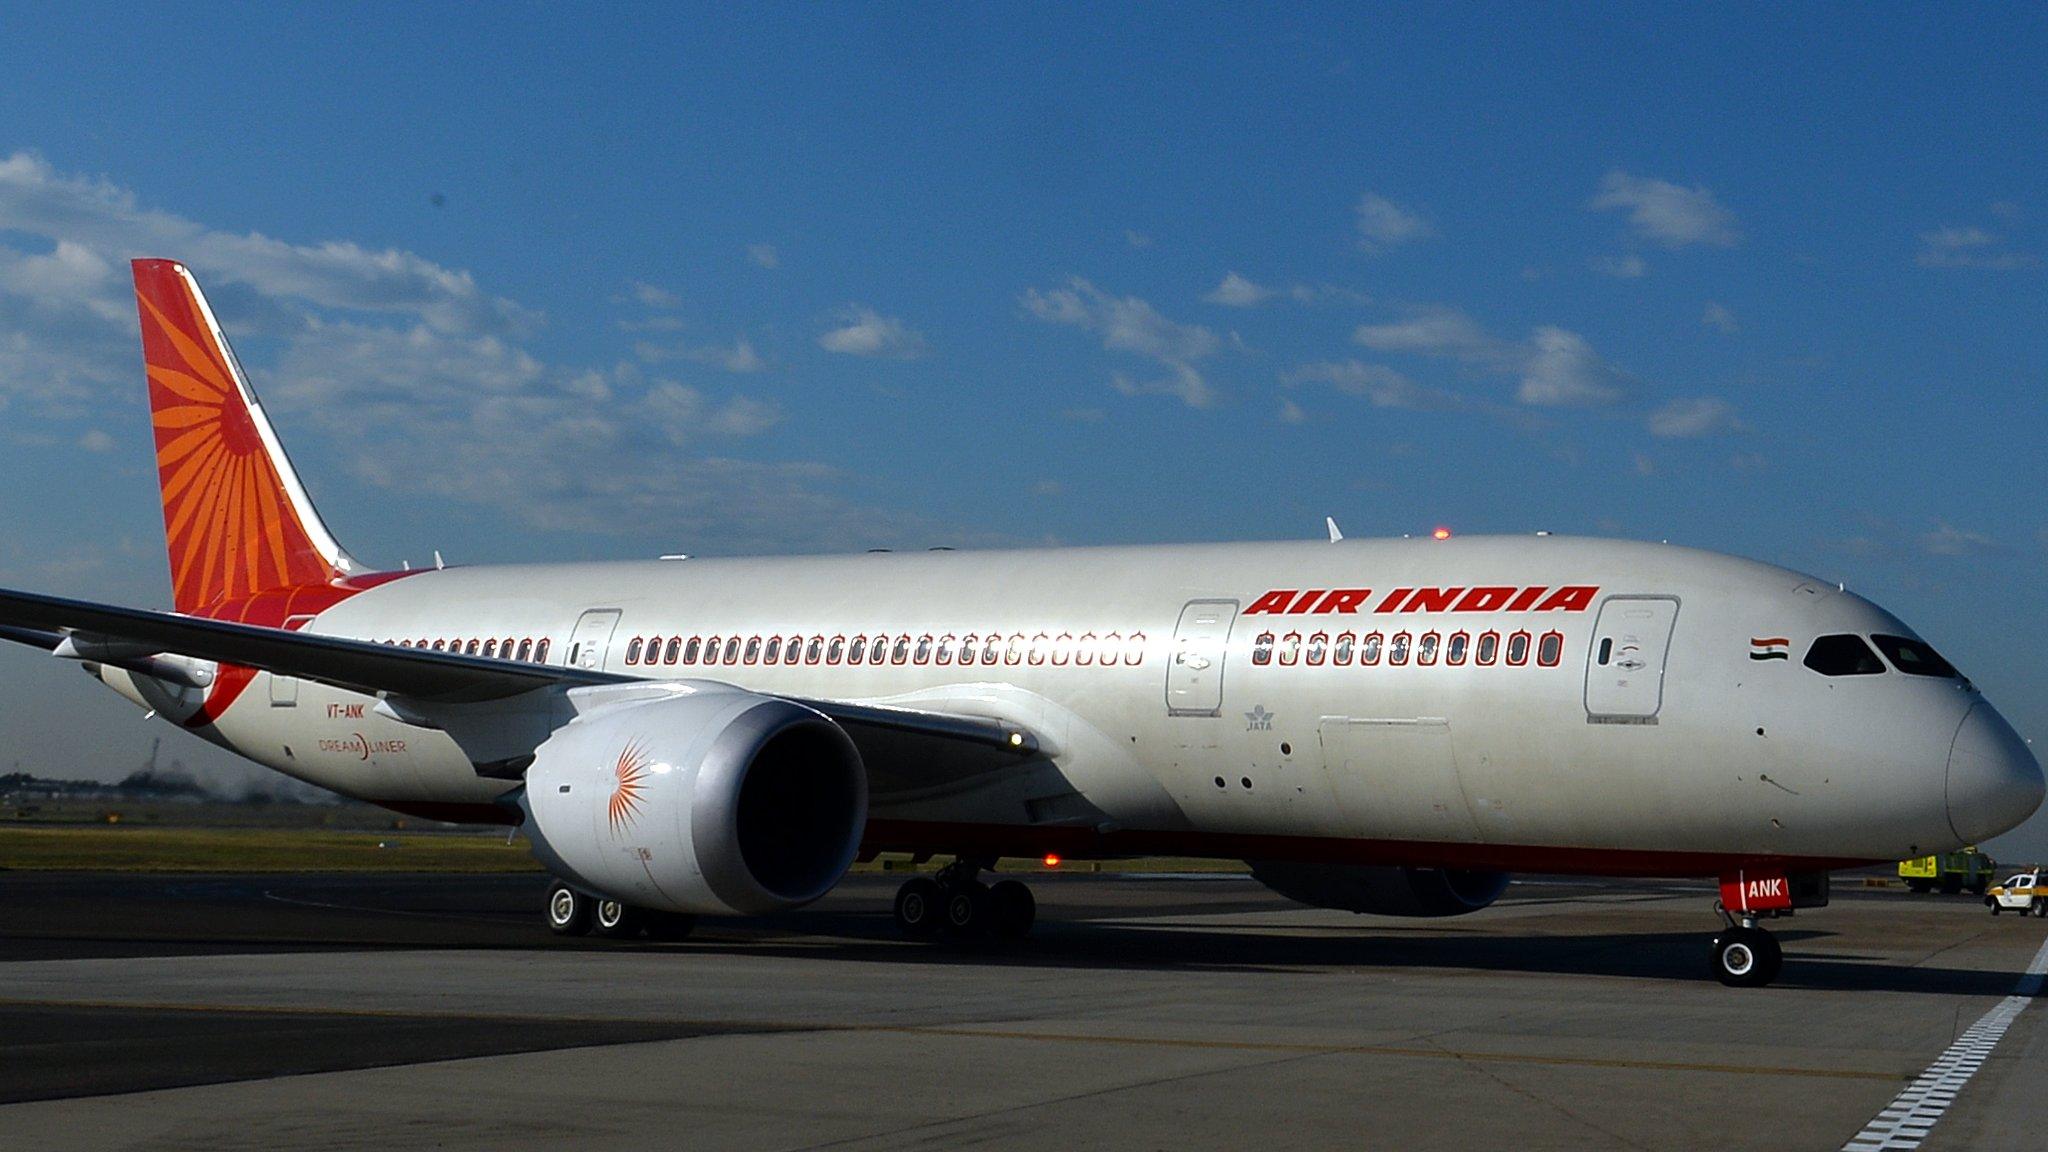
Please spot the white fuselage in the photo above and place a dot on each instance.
(1193, 699)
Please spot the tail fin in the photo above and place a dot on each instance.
(236, 518)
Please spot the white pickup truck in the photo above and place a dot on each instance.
(2022, 892)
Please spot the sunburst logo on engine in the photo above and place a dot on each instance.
(629, 778)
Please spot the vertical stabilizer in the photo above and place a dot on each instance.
(236, 519)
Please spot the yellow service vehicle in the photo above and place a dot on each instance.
(1951, 872)
(2022, 892)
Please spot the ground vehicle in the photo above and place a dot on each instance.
(1950, 871)
(2022, 892)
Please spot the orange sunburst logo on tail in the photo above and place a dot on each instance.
(228, 517)
(629, 777)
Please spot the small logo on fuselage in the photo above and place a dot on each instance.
(1258, 719)
(1770, 648)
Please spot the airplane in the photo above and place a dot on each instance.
(1382, 726)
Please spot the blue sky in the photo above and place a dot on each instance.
(586, 282)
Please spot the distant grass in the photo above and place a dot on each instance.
(133, 848)
(129, 849)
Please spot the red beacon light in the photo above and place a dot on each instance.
(1052, 860)
(1441, 533)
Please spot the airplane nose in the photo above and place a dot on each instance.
(1994, 783)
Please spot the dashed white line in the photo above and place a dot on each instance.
(1912, 1114)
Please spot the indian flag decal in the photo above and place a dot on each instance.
(1770, 648)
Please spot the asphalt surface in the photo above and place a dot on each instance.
(414, 1012)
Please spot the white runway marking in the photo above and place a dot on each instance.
(1911, 1115)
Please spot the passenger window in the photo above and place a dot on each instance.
(924, 649)
(525, 650)
(900, 654)
(1843, 656)
(1340, 655)
(793, 650)
(491, 649)
(1013, 652)
(1262, 649)
(440, 645)
(632, 650)
(1290, 648)
(1112, 646)
(1455, 651)
(732, 650)
(774, 653)
(858, 649)
(835, 650)
(967, 648)
(1489, 648)
(814, 649)
(1550, 649)
(1318, 647)
(689, 654)
(1397, 649)
(753, 649)
(472, 648)
(1063, 648)
(1606, 650)
(1084, 649)
(1134, 649)
(992, 650)
(1518, 648)
(1425, 651)
(878, 650)
(1038, 646)
(945, 653)
(540, 651)
(711, 650)
(1915, 658)
(1369, 651)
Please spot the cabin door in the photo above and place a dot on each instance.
(1194, 671)
(1625, 666)
(592, 639)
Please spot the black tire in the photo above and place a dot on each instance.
(919, 906)
(966, 913)
(1012, 909)
(669, 926)
(1995, 909)
(1920, 886)
(1978, 887)
(2040, 909)
(567, 910)
(1950, 885)
(1746, 957)
(615, 919)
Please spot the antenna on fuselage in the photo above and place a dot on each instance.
(1336, 533)
(438, 565)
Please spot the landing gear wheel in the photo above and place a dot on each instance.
(967, 910)
(1011, 910)
(918, 906)
(1995, 908)
(615, 920)
(2040, 908)
(568, 911)
(670, 926)
(1746, 957)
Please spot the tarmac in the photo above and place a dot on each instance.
(400, 1012)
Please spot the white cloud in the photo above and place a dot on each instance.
(1136, 239)
(1629, 267)
(738, 357)
(1238, 292)
(1969, 248)
(1129, 324)
(1377, 383)
(95, 440)
(1668, 213)
(1290, 412)
(651, 296)
(1718, 316)
(1383, 224)
(866, 332)
(1435, 331)
(1697, 416)
(1642, 463)
(1949, 540)
(764, 255)
(1565, 372)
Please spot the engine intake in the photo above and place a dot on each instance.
(702, 799)
(1387, 891)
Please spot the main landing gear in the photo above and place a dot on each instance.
(958, 904)
(1744, 955)
(572, 913)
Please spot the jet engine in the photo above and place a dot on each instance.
(1386, 891)
(702, 799)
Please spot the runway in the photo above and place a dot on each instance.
(414, 1012)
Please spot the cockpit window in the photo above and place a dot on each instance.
(1843, 656)
(1914, 658)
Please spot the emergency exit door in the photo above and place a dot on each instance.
(592, 638)
(1194, 672)
(1625, 665)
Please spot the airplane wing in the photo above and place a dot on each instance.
(950, 745)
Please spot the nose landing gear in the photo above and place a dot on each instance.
(957, 903)
(1744, 955)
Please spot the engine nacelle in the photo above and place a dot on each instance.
(702, 799)
(1386, 891)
